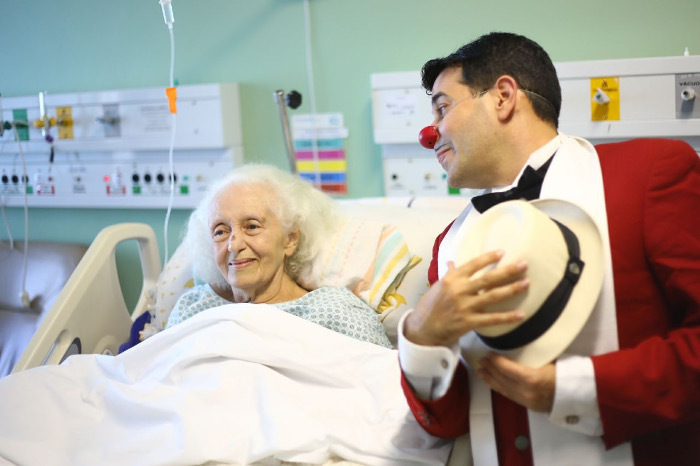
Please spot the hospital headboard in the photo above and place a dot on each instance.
(89, 317)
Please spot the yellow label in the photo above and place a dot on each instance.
(605, 99)
(323, 166)
(64, 116)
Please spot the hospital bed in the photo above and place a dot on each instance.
(90, 315)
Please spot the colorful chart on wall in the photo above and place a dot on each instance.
(319, 146)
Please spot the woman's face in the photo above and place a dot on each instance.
(250, 245)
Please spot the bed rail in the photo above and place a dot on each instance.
(90, 314)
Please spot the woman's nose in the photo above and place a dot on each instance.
(234, 243)
(428, 136)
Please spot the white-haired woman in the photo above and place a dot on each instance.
(253, 238)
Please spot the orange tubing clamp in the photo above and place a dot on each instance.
(171, 92)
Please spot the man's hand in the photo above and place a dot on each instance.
(531, 388)
(454, 305)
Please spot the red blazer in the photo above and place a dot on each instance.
(649, 390)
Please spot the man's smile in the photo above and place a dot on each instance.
(441, 153)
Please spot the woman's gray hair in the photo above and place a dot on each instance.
(292, 200)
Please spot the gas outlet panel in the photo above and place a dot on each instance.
(111, 148)
(129, 180)
(407, 172)
(603, 101)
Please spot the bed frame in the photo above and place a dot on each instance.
(90, 315)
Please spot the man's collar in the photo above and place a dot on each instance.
(536, 160)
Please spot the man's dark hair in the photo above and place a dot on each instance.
(496, 54)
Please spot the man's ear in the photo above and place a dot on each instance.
(506, 88)
(292, 242)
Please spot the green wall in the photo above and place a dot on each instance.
(85, 45)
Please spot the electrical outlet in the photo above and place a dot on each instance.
(44, 184)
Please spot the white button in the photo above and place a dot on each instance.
(444, 363)
(522, 442)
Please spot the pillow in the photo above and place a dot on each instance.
(174, 280)
(17, 326)
(364, 255)
(419, 226)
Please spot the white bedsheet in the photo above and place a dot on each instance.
(238, 384)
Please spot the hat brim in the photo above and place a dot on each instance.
(554, 341)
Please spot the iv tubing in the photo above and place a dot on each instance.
(171, 169)
(24, 296)
(6, 222)
(312, 93)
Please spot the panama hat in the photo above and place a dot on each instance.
(563, 250)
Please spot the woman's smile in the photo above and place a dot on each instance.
(241, 263)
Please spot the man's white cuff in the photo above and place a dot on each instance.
(575, 397)
(429, 369)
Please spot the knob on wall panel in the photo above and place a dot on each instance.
(688, 95)
(605, 99)
(64, 118)
(109, 119)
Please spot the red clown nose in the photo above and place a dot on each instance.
(428, 136)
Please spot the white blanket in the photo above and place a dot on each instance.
(238, 384)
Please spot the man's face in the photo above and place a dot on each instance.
(463, 120)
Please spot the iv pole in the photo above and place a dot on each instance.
(293, 99)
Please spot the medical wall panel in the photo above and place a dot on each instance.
(112, 148)
(603, 101)
(650, 93)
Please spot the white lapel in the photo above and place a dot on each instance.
(574, 176)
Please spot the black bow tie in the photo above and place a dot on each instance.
(528, 188)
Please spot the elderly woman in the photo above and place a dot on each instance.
(253, 238)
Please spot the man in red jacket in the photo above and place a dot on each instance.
(627, 390)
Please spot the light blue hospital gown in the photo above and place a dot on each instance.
(335, 308)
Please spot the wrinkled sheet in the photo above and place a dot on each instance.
(237, 384)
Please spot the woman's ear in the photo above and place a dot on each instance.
(292, 242)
